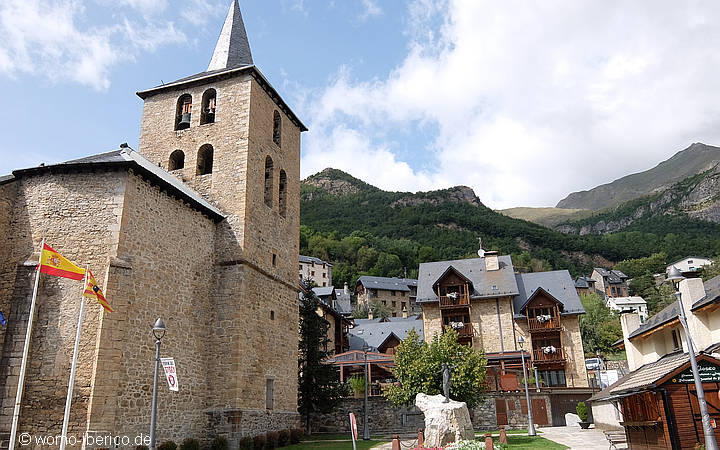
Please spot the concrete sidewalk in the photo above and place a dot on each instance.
(577, 438)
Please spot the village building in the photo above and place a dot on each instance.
(491, 307)
(199, 227)
(610, 282)
(690, 266)
(627, 304)
(315, 269)
(654, 402)
(398, 294)
(584, 285)
(339, 323)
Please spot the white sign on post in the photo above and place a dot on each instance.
(170, 373)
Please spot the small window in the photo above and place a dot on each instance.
(205, 160)
(177, 160)
(324, 284)
(392, 293)
(394, 314)
(269, 393)
(183, 112)
(274, 259)
(324, 275)
(676, 339)
(207, 115)
(384, 302)
(272, 315)
(403, 305)
(312, 272)
(282, 196)
(277, 125)
(402, 294)
(394, 304)
(300, 267)
(690, 261)
(268, 181)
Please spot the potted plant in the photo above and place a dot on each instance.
(357, 385)
(582, 413)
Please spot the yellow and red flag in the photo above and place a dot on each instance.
(92, 290)
(53, 263)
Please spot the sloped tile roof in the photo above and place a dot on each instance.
(557, 283)
(376, 331)
(386, 284)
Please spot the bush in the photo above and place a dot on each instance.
(582, 411)
(272, 439)
(295, 435)
(167, 445)
(190, 444)
(259, 442)
(284, 436)
(219, 443)
(246, 443)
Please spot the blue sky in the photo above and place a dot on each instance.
(523, 101)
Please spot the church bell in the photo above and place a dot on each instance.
(184, 121)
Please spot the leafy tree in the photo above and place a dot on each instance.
(599, 326)
(379, 310)
(650, 265)
(319, 389)
(418, 368)
(712, 270)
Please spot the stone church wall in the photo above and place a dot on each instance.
(79, 215)
(163, 269)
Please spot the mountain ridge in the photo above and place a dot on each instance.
(692, 160)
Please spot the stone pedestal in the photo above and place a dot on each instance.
(445, 423)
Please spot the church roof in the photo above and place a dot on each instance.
(127, 158)
(232, 48)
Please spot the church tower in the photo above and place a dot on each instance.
(228, 134)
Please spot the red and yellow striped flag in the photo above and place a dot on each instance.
(53, 263)
(92, 290)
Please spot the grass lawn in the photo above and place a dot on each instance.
(520, 431)
(335, 437)
(532, 442)
(332, 445)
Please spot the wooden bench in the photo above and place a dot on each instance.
(615, 437)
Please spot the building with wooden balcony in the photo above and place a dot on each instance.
(490, 306)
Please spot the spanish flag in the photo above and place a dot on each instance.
(92, 290)
(53, 263)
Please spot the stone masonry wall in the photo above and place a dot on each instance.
(163, 269)
(79, 215)
(484, 316)
(8, 264)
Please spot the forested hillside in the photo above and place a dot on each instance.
(365, 230)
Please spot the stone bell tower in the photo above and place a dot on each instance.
(228, 134)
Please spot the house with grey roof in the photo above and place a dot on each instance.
(383, 335)
(490, 307)
(398, 294)
(690, 265)
(315, 269)
(610, 282)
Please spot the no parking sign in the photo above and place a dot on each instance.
(170, 373)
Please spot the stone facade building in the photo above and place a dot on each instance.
(398, 294)
(315, 269)
(491, 307)
(201, 228)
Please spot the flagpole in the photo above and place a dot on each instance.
(26, 350)
(68, 400)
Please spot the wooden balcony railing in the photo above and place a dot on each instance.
(449, 302)
(465, 331)
(539, 355)
(551, 324)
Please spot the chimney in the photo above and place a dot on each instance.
(346, 289)
(370, 314)
(404, 313)
(692, 290)
(630, 322)
(491, 261)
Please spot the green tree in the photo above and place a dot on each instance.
(599, 326)
(636, 267)
(418, 368)
(379, 310)
(319, 388)
(711, 271)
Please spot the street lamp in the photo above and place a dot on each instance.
(531, 424)
(676, 277)
(366, 425)
(158, 331)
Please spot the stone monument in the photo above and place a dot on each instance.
(445, 422)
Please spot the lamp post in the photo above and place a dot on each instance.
(158, 331)
(676, 277)
(366, 425)
(531, 424)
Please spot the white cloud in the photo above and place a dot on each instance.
(370, 9)
(48, 38)
(530, 100)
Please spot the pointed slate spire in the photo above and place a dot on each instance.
(233, 48)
